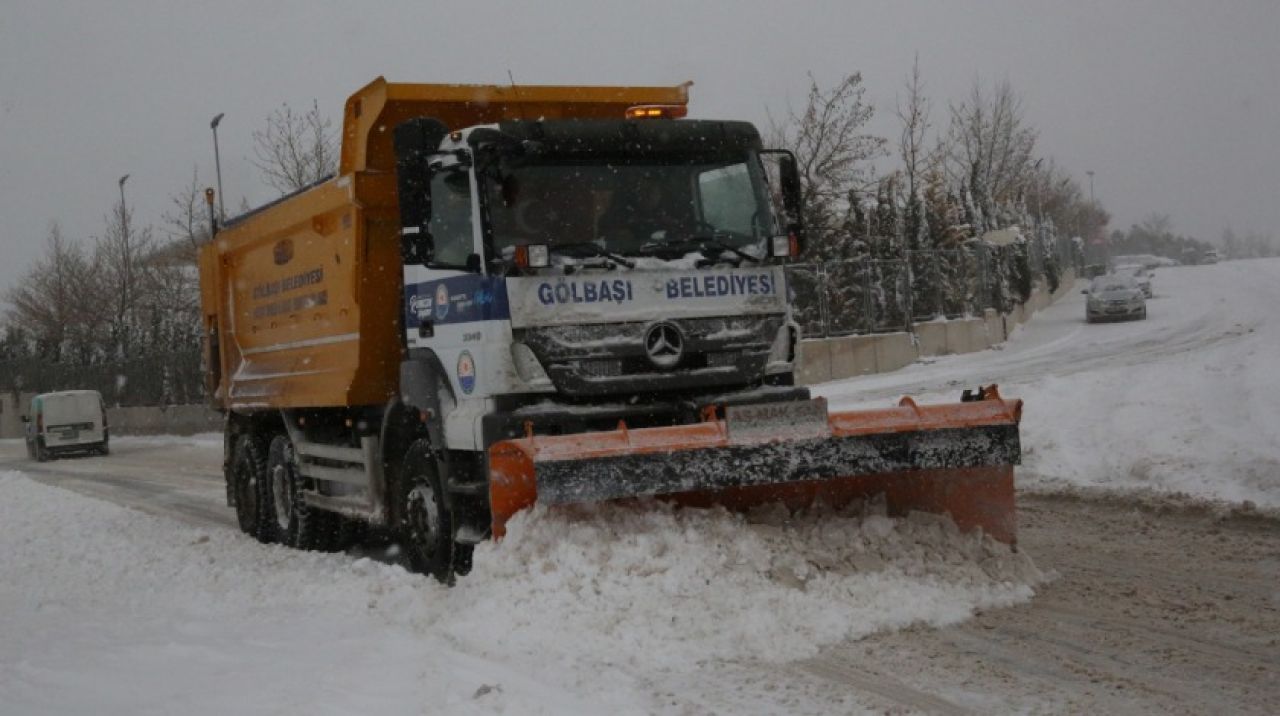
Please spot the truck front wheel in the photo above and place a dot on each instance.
(426, 526)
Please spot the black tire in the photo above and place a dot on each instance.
(344, 532)
(462, 559)
(426, 526)
(248, 481)
(293, 522)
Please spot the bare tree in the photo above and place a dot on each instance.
(990, 146)
(831, 147)
(187, 220)
(120, 258)
(51, 301)
(295, 150)
(913, 113)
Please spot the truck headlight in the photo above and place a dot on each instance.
(782, 353)
(528, 367)
(539, 255)
(533, 256)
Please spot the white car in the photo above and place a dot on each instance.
(1139, 274)
(1114, 297)
(64, 422)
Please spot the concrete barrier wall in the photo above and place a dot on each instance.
(12, 408)
(823, 359)
(173, 420)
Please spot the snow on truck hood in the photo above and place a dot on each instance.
(619, 296)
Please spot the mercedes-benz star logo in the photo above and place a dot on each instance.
(665, 345)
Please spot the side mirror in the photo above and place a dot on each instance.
(1085, 291)
(26, 419)
(792, 191)
(415, 141)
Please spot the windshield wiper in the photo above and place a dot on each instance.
(703, 242)
(591, 249)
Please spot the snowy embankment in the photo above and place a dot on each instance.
(1186, 402)
(107, 610)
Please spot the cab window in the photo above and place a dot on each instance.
(451, 229)
(723, 191)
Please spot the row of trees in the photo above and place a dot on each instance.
(120, 310)
(976, 173)
(953, 183)
(1252, 245)
(1155, 236)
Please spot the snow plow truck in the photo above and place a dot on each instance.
(545, 294)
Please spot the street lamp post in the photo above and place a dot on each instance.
(1090, 173)
(126, 259)
(123, 179)
(217, 163)
(124, 218)
(1039, 203)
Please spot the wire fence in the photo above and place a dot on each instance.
(866, 295)
(169, 378)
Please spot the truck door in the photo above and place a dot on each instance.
(448, 298)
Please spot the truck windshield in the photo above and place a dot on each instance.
(629, 207)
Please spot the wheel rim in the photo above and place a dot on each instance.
(423, 517)
(280, 495)
(248, 496)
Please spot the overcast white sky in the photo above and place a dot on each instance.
(1174, 105)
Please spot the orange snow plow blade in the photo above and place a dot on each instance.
(955, 458)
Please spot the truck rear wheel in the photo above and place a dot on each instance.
(294, 522)
(426, 526)
(248, 481)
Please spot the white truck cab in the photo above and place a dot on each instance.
(64, 422)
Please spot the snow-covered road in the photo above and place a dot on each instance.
(156, 604)
(1185, 401)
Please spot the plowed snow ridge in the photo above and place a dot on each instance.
(617, 593)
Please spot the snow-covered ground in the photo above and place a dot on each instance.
(105, 609)
(1187, 401)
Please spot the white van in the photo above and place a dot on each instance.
(67, 421)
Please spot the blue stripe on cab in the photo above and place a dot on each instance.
(457, 299)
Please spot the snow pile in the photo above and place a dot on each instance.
(103, 609)
(660, 587)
